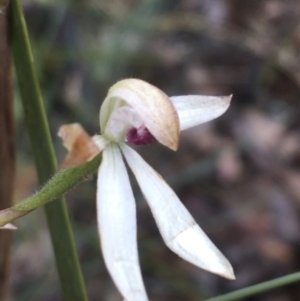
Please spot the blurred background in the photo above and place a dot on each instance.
(239, 175)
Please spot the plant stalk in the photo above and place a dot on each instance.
(67, 262)
(62, 182)
(258, 288)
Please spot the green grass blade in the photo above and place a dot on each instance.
(258, 288)
(67, 262)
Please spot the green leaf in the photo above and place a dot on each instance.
(67, 262)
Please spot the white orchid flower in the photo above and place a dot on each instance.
(139, 113)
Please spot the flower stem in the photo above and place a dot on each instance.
(258, 288)
(56, 187)
(67, 262)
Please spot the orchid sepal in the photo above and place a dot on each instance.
(116, 214)
(178, 228)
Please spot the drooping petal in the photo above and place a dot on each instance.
(150, 103)
(193, 110)
(178, 228)
(116, 215)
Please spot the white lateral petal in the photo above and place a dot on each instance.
(116, 215)
(193, 110)
(178, 228)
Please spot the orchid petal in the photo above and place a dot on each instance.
(117, 225)
(193, 110)
(151, 104)
(178, 228)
